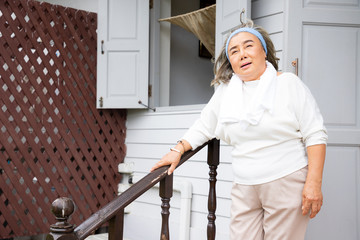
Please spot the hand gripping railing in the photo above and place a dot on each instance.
(113, 212)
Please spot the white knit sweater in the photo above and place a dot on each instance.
(276, 146)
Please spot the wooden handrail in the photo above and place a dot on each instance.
(114, 210)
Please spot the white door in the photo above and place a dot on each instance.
(324, 35)
(123, 54)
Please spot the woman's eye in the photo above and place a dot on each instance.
(248, 45)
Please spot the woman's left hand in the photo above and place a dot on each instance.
(312, 198)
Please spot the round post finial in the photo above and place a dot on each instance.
(62, 208)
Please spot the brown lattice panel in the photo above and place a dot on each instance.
(53, 141)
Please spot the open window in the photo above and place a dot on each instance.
(186, 68)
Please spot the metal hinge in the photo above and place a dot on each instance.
(151, 4)
(150, 90)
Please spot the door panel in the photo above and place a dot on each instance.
(122, 20)
(333, 75)
(339, 217)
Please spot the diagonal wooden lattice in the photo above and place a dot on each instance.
(53, 142)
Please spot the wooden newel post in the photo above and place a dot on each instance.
(62, 208)
(116, 226)
(213, 162)
(166, 192)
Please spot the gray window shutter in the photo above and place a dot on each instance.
(123, 54)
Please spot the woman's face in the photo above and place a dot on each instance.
(247, 56)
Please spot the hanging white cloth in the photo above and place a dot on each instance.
(233, 110)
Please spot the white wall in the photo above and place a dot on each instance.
(87, 5)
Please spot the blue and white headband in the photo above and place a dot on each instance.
(249, 30)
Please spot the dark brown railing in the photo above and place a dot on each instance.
(113, 212)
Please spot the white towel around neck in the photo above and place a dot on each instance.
(232, 107)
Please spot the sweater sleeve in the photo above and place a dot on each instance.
(311, 123)
(204, 127)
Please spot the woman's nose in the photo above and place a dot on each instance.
(242, 55)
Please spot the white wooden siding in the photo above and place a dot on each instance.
(270, 15)
(151, 134)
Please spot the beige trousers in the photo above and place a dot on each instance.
(269, 211)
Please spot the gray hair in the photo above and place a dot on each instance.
(222, 67)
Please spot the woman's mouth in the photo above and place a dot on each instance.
(245, 64)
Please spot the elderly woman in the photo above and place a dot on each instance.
(278, 138)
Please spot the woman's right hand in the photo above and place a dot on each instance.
(172, 158)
